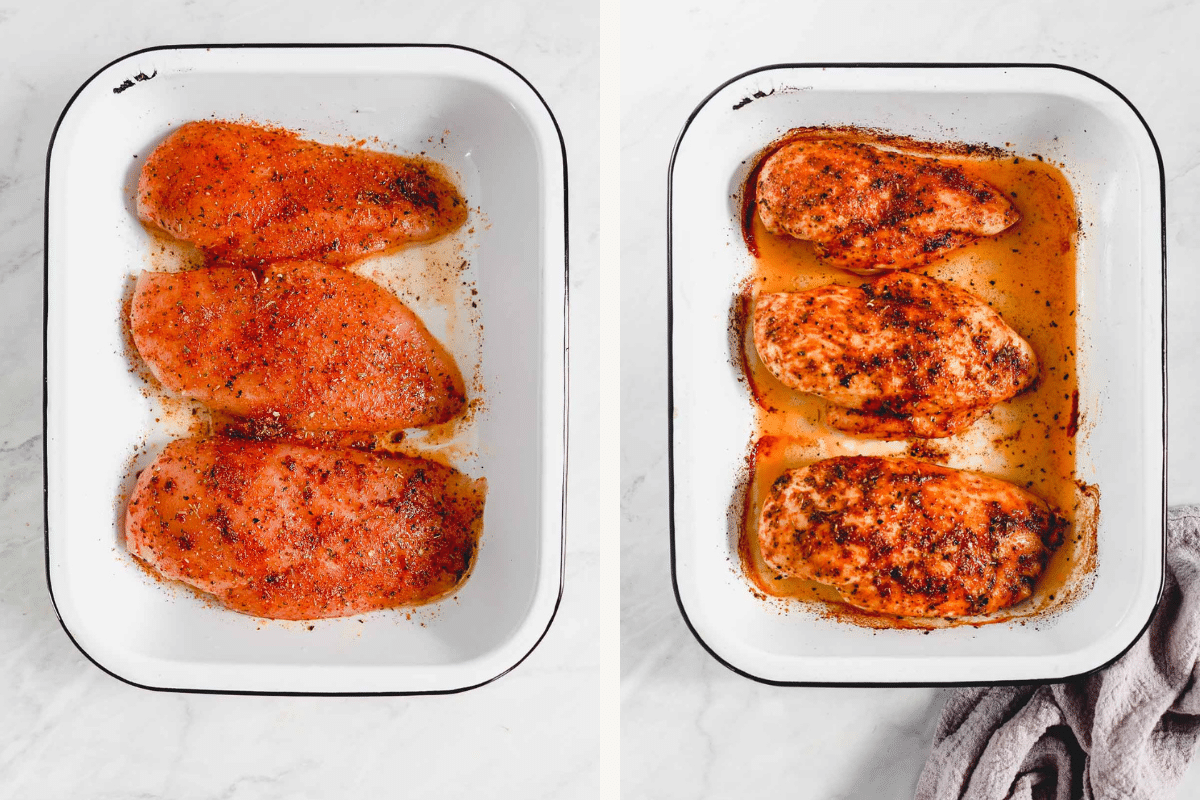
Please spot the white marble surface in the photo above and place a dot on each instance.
(549, 729)
(691, 728)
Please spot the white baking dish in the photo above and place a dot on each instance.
(1113, 164)
(487, 124)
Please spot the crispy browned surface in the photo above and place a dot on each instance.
(290, 532)
(905, 537)
(305, 346)
(916, 355)
(869, 209)
(249, 195)
(866, 425)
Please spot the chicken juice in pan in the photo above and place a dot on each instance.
(1027, 275)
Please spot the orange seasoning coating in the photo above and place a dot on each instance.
(304, 346)
(289, 532)
(249, 195)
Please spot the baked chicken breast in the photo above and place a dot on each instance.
(288, 532)
(250, 195)
(904, 537)
(870, 210)
(901, 355)
(299, 346)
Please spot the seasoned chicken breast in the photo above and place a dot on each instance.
(901, 355)
(305, 346)
(900, 536)
(250, 195)
(289, 532)
(870, 210)
(867, 425)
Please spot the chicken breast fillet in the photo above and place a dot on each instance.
(870, 210)
(900, 536)
(305, 347)
(289, 532)
(250, 195)
(901, 355)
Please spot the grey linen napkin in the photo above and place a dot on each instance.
(1127, 731)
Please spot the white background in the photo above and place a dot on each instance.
(549, 729)
(691, 728)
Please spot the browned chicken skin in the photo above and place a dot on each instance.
(870, 210)
(901, 355)
(289, 532)
(298, 346)
(250, 195)
(904, 537)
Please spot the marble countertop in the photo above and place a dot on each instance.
(548, 729)
(691, 728)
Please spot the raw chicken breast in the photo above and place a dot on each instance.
(305, 346)
(289, 532)
(250, 195)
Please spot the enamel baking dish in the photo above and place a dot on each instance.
(1112, 162)
(493, 130)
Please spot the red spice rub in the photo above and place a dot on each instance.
(250, 195)
(290, 532)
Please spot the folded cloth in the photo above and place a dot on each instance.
(1126, 731)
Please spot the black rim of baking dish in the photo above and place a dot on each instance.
(45, 362)
(1162, 184)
